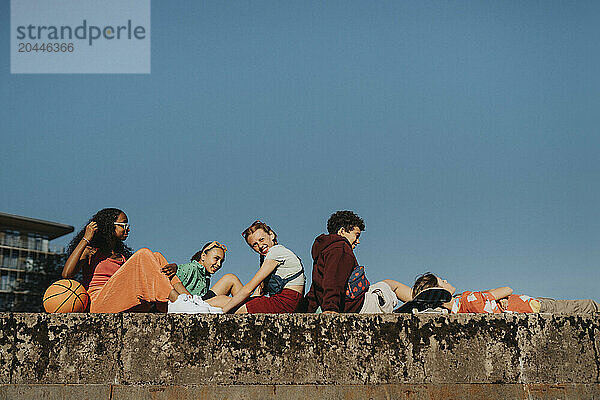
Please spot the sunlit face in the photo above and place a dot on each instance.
(261, 241)
(445, 285)
(351, 235)
(212, 259)
(121, 230)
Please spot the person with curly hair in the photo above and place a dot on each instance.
(278, 286)
(339, 284)
(116, 278)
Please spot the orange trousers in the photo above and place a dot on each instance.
(138, 281)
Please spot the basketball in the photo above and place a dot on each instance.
(66, 296)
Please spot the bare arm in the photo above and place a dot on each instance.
(259, 290)
(81, 253)
(170, 270)
(501, 292)
(402, 292)
(179, 288)
(265, 270)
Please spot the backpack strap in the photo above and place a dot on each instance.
(291, 278)
(275, 284)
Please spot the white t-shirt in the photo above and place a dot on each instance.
(289, 264)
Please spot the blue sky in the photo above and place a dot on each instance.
(464, 134)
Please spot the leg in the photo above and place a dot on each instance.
(287, 301)
(242, 310)
(228, 284)
(178, 289)
(218, 301)
(584, 306)
(221, 300)
(143, 307)
(403, 292)
(173, 295)
(139, 279)
(590, 306)
(380, 298)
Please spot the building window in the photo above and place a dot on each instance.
(30, 241)
(12, 239)
(4, 281)
(12, 260)
(12, 280)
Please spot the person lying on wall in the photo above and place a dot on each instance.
(427, 288)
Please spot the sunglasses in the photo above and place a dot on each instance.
(124, 225)
(215, 244)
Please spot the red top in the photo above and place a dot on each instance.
(100, 269)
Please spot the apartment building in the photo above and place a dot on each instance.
(24, 245)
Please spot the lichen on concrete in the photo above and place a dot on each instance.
(299, 349)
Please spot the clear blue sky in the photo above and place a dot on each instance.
(465, 134)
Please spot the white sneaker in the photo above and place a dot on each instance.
(211, 310)
(215, 310)
(185, 304)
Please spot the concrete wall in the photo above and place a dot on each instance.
(298, 356)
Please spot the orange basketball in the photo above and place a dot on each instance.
(65, 296)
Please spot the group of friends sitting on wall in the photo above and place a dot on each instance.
(120, 280)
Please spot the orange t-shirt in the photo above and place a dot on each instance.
(475, 302)
(520, 303)
(484, 302)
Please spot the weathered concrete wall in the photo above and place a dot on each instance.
(313, 392)
(292, 356)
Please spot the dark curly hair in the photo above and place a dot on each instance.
(344, 219)
(104, 239)
(424, 281)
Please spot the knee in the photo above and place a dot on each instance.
(144, 251)
(231, 278)
(150, 257)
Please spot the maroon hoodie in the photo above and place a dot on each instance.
(333, 262)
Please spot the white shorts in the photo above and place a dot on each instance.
(379, 299)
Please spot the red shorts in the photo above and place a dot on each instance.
(285, 302)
